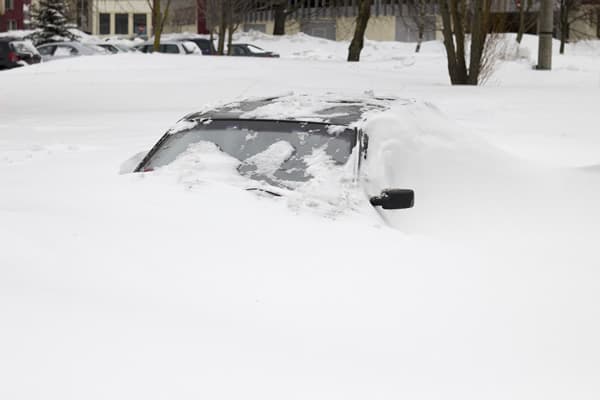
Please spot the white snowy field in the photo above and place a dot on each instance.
(147, 286)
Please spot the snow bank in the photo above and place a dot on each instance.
(303, 46)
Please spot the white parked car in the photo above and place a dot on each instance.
(115, 48)
(172, 47)
(53, 51)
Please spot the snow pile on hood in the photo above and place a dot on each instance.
(203, 163)
(418, 147)
(269, 161)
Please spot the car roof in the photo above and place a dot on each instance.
(60, 43)
(329, 108)
(190, 39)
(175, 42)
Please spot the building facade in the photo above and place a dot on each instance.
(124, 18)
(128, 18)
(390, 19)
(14, 14)
(399, 19)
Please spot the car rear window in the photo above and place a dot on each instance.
(203, 45)
(169, 49)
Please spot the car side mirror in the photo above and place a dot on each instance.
(394, 199)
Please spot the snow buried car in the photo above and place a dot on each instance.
(285, 146)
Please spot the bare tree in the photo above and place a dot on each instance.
(362, 19)
(210, 12)
(419, 17)
(282, 9)
(457, 17)
(572, 11)
(224, 17)
(159, 16)
(525, 21)
(182, 13)
(420, 14)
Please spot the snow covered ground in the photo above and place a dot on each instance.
(129, 286)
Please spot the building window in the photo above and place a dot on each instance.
(9, 5)
(121, 24)
(12, 25)
(140, 23)
(104, 24)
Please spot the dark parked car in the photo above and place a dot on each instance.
(250, 50)
(183, 47)
(280, 156)
(17, 52)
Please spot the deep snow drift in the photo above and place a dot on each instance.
(146, 286)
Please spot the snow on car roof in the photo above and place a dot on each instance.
(328, 108)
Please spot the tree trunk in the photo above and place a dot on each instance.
(420, 25)
(448, 39)
(521, 29)
(458, 10)
(362, 19)
(156, 23)
(478, 35)
(279, 16)
(455, 54)
(222, 30)
(231, 29)
(564, 26)
(420, 38)
(546, 20)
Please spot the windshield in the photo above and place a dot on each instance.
(281, 153)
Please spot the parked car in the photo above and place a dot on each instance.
(55, 51)
(278, 155)
(17, 52)
(205, 45)
(115, 48)
(250, 50)
(171, 47)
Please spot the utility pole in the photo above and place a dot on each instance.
(546, 21)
